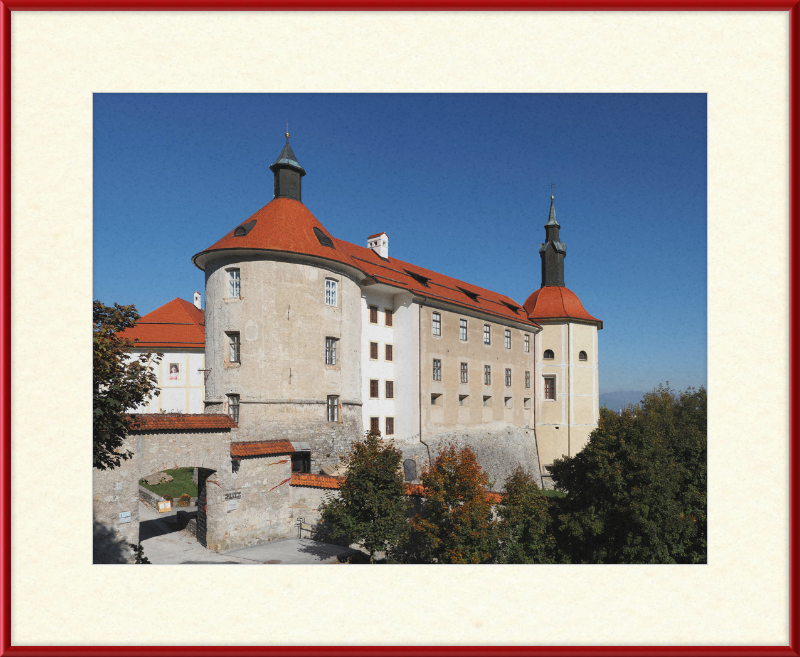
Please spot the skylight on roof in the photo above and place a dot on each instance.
(422, 280)
(323, 238)
(244, 229)
(471, 295)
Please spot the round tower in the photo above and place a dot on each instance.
(283, 326)
(566, 355)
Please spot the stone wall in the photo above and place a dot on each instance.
(499, 451)
(149, 497)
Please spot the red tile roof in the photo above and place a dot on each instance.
(177, 324)
(556, 302)
(263, 448)
(181, 421)
(323, 481)
(377, 235)
(287, 225)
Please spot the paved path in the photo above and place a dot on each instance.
(163, 544)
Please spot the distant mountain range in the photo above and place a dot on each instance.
(617, 400)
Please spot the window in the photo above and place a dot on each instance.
(388, 317)
(527, 343)
(463, 400)
(375, 425)
(233, 347)
(333, 408)
(323, 239)
(389, 426)
(548, 354)
(330, 351)
(373, 389)
(487, 375)
(437, 369)
(582, 356)
(389, 353)
(462, 330)
(507, 402)
(436, 323)
(487, 334)
(373, 314)
(508, 339)
(330, 292)
(508, 377)
(373, 351)
(390, 390)
(487, 400)
(526, 402)
(549, 387)
(436, 399)
(464, 373)
(301, 461)
(234, 284)
(233, 407)
(527, 379)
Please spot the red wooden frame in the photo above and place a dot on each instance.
(792, 6)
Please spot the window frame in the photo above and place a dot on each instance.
(331, 292)
(437, 369)
(487, 335)
(549, 391)
(552, 355)
(377, 388)
(234, 347)
(527, 379)
(373, 312)
(330, 350)
(388, 352)
(464, 372)
(388, 317)
(376, 350)
(463, 329)
(333, 414)
(234, 281)
(436, 324)
(388, 422)
(583, 356)
(507, 336)
(527, 343)
(508, 377)
(234, 401)
(388, 389)
(487, 375)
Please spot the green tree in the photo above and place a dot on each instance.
(121, 382)
(637, 492)
(455, 523)
(371, 507)
(525, 528)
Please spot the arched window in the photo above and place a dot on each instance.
(582, 356)
(548, 354)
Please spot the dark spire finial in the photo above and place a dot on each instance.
(553, 251)
(288, 173)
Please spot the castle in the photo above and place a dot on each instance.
(311, 340)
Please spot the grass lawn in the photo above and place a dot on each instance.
(552, 493)
(181, 483)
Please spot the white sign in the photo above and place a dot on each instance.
(164, 506)
(125, 517)
(232, 505)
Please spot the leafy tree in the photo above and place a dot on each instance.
(121, 382)
(455, 524)
(371, 506)
(138, 552)
(525, 529)
(637, 492)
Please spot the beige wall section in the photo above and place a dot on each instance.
(563, 425)
(282, 320)
(506, 404)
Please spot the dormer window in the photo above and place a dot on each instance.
(242, 230)
(323, 239)
(422, 280)
(471, 295)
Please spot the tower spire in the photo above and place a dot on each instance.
(288, 172)
(553, 251)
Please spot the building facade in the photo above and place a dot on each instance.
(313, 339)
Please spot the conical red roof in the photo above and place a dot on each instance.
(557, 302)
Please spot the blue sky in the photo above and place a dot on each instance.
(460, 182)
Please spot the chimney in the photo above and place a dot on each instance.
(380, 244)
(197, 301)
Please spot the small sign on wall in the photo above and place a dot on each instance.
(164, 506)
(125, 516)
(232, 504)
(234, 495)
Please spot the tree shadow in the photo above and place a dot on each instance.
(107, 547)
